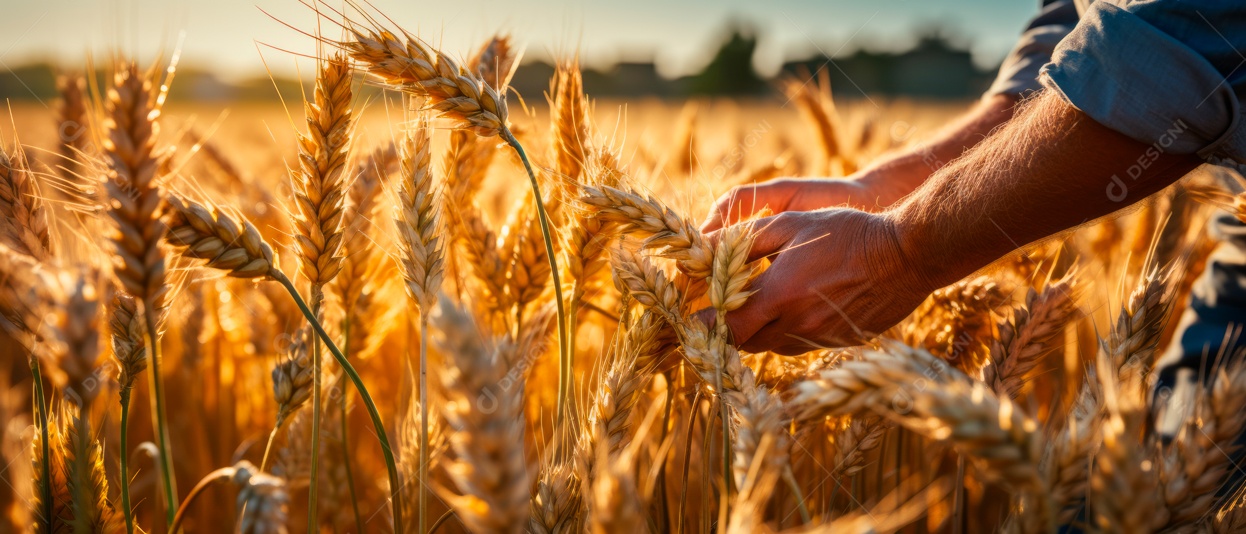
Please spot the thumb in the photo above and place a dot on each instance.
(771, 235)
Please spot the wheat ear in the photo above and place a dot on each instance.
(1194, 467)
(320, 194)
(665, 231)
(275, 274)
(23, 218)
(1034, 330)
(262, 501)
(72, 127)
(484, 423)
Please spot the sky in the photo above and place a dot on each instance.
(237, 38)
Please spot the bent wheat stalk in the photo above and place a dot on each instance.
(412, 66)
(248, 256)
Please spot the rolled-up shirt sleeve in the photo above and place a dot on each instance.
(1019, 72)
(1164, 72)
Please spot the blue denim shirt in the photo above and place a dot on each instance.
(1170, 72)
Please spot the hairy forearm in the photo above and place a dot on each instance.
(1048, 169)
(898, 174)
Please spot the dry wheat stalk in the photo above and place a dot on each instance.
(1034, 330)
(23, 218)
(418, 219)
(485, 426)
(670, 234)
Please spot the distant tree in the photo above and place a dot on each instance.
(731, 71)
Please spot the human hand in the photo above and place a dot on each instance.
(838, 278)
(787, 194)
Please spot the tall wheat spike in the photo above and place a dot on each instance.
(419, 222)
(136, 203)
(320, 194)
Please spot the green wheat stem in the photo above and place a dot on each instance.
(381, 436)
(317, 297)
(564, 355)
(159, 420)
(41, 404)
(423, 495)
(125, 462)
(350, 475)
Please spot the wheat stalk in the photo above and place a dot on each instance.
(418, 219)
(136, 203)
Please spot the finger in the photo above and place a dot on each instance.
(773, 234)
(734, 205)
(758, 311)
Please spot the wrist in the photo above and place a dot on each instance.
(923, 266)
(900, 260)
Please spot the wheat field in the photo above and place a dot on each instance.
(442, 309)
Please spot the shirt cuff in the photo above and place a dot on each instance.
(1133, 78)
(1018, 74)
